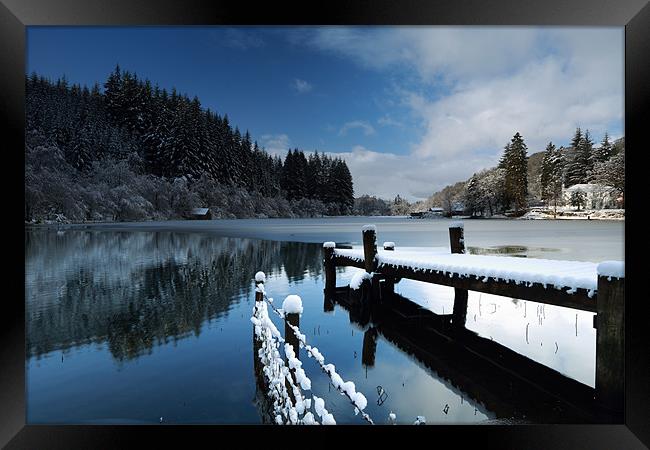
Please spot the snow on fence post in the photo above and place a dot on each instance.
(330, 268)
(457, 243)
(292, 308)
(610, 337)
(369, 233)
(260, 277)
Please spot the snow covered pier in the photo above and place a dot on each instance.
(586, 286)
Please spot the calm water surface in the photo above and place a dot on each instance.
(129, 323)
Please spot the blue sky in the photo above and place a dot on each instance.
(411, 109)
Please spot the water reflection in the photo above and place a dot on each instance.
(134, 291)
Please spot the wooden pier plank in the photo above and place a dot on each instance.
(537, 292)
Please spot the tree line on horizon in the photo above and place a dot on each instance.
(507, 187)
(134, 151)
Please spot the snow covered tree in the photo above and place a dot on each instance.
(611, 173)
(474, 197)
(515, 165)
(604, 152)
(551, 175)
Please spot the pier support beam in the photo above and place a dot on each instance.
(610, 344)
(457, 244)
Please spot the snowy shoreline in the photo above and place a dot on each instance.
(571, 214)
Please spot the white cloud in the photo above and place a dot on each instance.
(387, 174)
(477, 86)
(452, 52)
(387, 121)
(301, 86)
(362, 124)
(275, 144)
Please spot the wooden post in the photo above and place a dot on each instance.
(370, 262)
(330, 268)
(457, 243)
(257, 364)
(457, 237)
(289, 335)
(389, 282)
(291, 339)
(610, 344)
(370, 247)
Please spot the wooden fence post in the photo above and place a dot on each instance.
(457, 243)
(369, 233)
(291, 339)
(259, 298)
(457, 237)
(370, 247)
(330, 268)
(610, 338)
(389, 282)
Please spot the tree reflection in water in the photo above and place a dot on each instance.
(134, 291)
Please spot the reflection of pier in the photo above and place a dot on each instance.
(508, 383)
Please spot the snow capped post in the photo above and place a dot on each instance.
(369, 233)
(330, 268)
(457, 243)
(292, 308)
(260, 278)
(610, 336)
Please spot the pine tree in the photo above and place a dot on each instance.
(586, 157)
(551, 175)
(604, 152)
(514, 162)
(574, 172)
(474, 196)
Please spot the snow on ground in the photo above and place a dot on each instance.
(572, 274)
(570, 213)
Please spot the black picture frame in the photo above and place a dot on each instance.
(15, 15)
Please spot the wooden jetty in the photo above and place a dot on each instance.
(600, 291)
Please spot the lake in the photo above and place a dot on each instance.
(131, 323)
